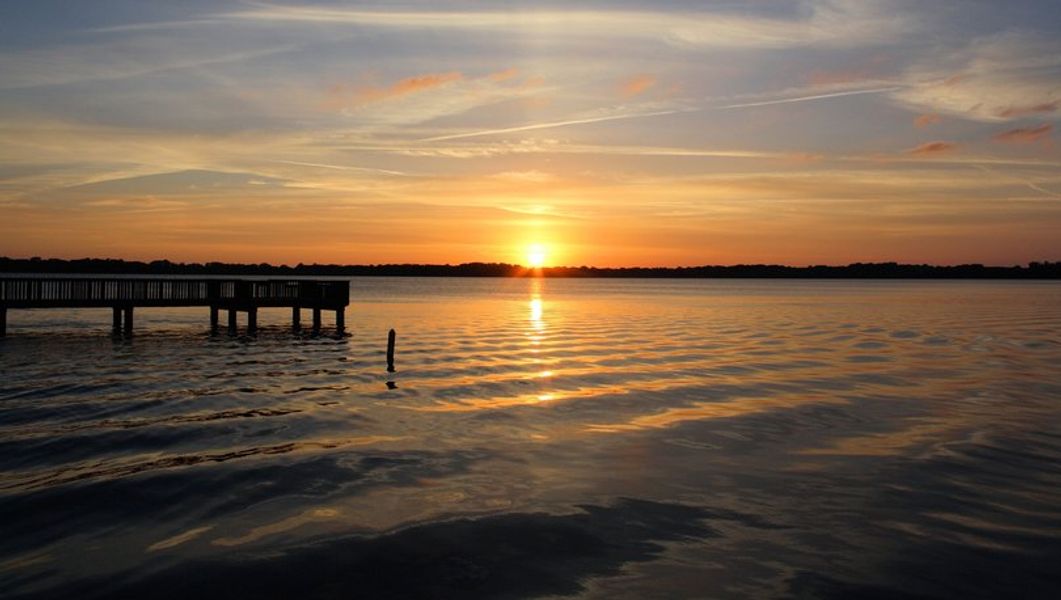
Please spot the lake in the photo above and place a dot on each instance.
(600, 438)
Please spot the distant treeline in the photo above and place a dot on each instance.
(889, 270)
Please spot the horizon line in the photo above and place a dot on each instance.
(517, 265)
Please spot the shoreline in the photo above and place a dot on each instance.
(1045, 270)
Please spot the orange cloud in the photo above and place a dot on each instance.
(1023, 111)
(926, 120)
(402, 87)
(636, 85)
(929, 148)
(340, 97)
(1025, 135)
(503, 75)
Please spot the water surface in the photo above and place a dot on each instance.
(604, 438)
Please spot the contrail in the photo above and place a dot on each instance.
(341, 167)
(533, 126)
(456, 136)
(807, 98)
(1015, 179)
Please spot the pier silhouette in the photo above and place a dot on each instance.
(233, 295)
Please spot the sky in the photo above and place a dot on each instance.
(596, 133)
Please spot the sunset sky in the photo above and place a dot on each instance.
(610, 134)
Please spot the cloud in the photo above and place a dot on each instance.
(428, 96)
(341, 97)
(1025, 135)
(932, 148)
(1023, 111)
(504, 75)
(927, 119)
(61, 65)
(829, 23)
(993, 78)
(636, 85)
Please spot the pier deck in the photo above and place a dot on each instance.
(123, 295)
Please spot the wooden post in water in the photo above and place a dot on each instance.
(128, 320)
(340, 320)
(213, 319)
(252, 319)
(316, 320)
(232, 321)
(296, 318)
(117, 320)
(390, 351)
(3, 321)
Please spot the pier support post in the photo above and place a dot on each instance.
(128, 320)
(390, 351)
(116, 320)
(316, 320)
(213, 319)
(252, 319)
(296, 318)
(232, 321)
(340, 320)
(3, 321)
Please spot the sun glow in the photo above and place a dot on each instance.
(536, 254)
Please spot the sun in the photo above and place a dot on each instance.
(536, 256)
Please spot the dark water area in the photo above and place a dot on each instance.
(594, 438)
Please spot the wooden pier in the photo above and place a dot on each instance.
(123, 295)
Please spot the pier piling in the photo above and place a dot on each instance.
(128, 320)
(390, 351)
(316, 320)
(213, 319)
(232, 321)
(296, 318)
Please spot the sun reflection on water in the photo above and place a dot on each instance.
(536, 312)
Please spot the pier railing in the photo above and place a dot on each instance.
(223, 293)
(122, 295)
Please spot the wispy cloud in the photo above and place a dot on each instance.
(1025, 135)
(341, 96)
(931, 148)
(636, 85)
(1034, 109)
(342, 167)
(1022, 180)
(503, 75)
(837, 23)
(991, 78)
(115, 61)
(926, 120)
